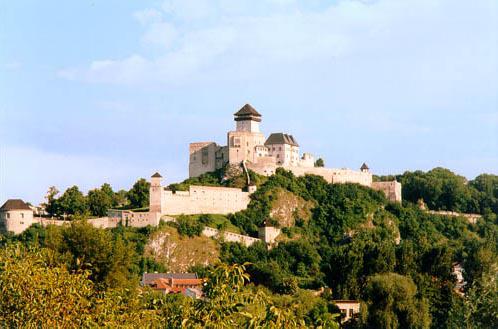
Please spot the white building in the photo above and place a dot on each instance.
(15, 216)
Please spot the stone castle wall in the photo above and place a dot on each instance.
(229, 236)
(200, 200)
(392, 189)
(202, 158)
(331, 175)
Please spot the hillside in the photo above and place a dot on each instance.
(341, 241)
(179, 253)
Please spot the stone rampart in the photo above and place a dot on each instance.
(331, 175)
(203, 200)
(471, 218)
(392, 190)
(229, 236)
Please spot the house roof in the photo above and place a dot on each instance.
(364, 166)
(157, 175)
(14, 204)
(247, 110)
(150, 278)
(281, 138)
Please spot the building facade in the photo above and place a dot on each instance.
(15, 216)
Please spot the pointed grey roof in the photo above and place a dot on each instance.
(157, 175)
(281, 138)
(247, 110)
(14, 204)
(364, 166)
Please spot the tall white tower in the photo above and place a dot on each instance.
(155, 195)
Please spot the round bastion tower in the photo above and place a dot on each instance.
(155, 193)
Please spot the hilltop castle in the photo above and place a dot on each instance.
(247, 148)
(247, 145)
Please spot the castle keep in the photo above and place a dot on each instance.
(247, 145)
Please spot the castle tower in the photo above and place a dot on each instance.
(155, 193)
(15, 216)
(364, 167)
(243, 142)
(247, 119)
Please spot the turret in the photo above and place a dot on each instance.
(155, 193)
(155, 179)
(364, 167)
(247, 119)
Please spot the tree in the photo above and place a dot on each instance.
(51, 205)
(139, 194)
(73, 202)
(319, 163)
(120, 198)
(37, 293)
(393, 303)
(188, 226)
(109, 260)
(100, 200)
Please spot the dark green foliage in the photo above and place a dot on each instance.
(393, 303)
(138, 196)
(441, 189)
(396, 258)
(188, 226)
(72, 202)
(101, 200)
(208, 179)
(319, 163)
(219, 177)
(354, 232)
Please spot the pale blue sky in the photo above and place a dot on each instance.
(110, 91)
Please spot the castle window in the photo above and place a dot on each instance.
(8, 215)
(236, 142)
(22, 215)
(205, 156)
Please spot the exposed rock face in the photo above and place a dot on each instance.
(179, 253)
(286, 207)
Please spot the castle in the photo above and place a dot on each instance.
(247, 146)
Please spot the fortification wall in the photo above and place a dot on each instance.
(204, 200)
(331, 175)
(229, 236)
(268, 234)
(471, 218)
(392, 190)
(128, 218)
(46, 221)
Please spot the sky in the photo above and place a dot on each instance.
(111, 91)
